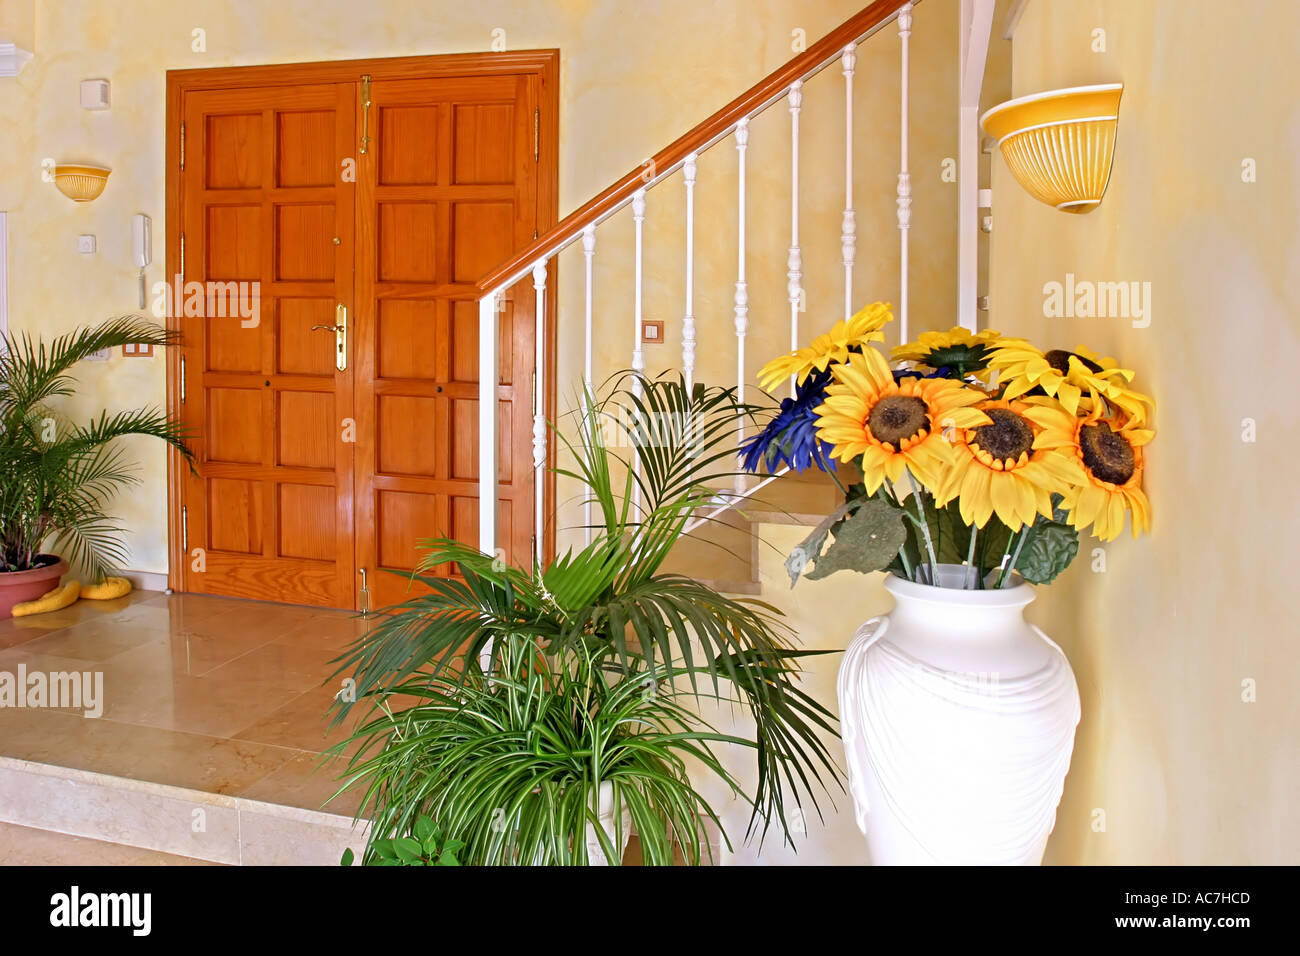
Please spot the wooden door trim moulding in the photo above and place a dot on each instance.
(544, 63)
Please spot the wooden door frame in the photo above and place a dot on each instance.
(545, 64)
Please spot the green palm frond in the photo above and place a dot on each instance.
(57, 478)
(607, 607)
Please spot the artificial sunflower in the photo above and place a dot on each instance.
(1011, 466)
(1109, 451)
(1079, 380)
(845, 337)
(889, 426)
(959, 350)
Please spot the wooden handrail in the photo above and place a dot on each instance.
(766, 90)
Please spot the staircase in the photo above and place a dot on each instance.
(724, 550)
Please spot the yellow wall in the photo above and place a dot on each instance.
(1184, 770)
(633, 77)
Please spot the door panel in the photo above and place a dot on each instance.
(306, 472)
(264, 205)
(450, 190)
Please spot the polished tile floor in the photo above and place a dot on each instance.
(215, 694)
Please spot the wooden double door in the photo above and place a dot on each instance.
(331, 222)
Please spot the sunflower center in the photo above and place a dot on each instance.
(1059, 359)
(1107, 454)
(1007, 438)
(897, 417)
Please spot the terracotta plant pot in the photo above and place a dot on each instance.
(19, 586)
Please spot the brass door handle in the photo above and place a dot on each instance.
(340, 336)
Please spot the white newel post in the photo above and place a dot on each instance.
(638, 330)
(848, 227)
(742, 289)
(688, 320)
(904, 178)
(588, 251)
(539, 412)
(794, 264)
(487, 422)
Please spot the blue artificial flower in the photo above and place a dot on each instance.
(790, 438)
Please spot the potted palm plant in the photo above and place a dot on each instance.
(536, 715)
(57, 477)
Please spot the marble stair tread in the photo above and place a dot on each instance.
(27, 846)
(214, 827)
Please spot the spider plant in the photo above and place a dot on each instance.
(532, 686)
(512, 763)
(58, 477)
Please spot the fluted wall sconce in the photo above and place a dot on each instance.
(81, 183)
(1059, 144)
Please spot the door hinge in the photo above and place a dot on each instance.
(182, 379)
(185, 529)
(182, 147)
(537, 135)
(182, 256)
(365, 113)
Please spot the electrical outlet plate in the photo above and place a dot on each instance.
(100, 356)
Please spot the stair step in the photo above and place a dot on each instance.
(172, 820)
(723, 552)
(27, 846)
(794, 499)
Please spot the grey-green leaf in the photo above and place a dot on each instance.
(867, 540)
(1049, 551)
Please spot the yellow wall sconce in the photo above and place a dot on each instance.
(1059, 144)
(81, 183)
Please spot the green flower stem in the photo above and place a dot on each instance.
(907, 565)
(925, 528)
(1015, 557)
(844, 491)
(970, 557)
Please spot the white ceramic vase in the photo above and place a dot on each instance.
(958, 721)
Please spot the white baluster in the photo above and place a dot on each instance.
(795, 262)
(742, 289)
(849, 225)
(688, 320)
(539, 410)
(588, 251)
(638, 354)
(904, 178)
(487, 422)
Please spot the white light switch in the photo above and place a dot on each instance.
(85, 244)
